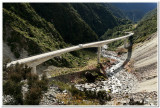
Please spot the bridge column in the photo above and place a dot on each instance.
(34, 70)
(125, 42)
(99, 54)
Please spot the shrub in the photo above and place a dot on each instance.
(13, 86)
(41, 84)
(62, 86)
(33, 96)
(98, 66)
(44, 78)
(26, 70)
(14, 89)
(16, 53)
(103, 95)
(77, 93)
(36, 86)
(100, 78)
(15, 77)
(31, 79)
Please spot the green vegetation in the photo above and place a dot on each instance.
(149, 14)
(67, 21)
(14, 89)
(12, 85)
(143, 30)
(116, 32)
(146, 27)
(102, 96)
(43, 27)
(97, 16)
(135, 11)
(36, 87)
(29, 31)
(25, 29)
(33, 96)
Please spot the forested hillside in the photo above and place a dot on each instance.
(42, 27)
(143, 29)
(146, 26)
(24, 29)
(78, 16)
(149, 14)
(67, 21)
(97, 16)
(28, 30)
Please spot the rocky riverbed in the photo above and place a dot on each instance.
(117, 82)
(148, 98)
(49, 97)
(121, 84)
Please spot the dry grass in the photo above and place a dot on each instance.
(57, 71)
(71, 100)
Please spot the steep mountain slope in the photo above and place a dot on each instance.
(145, 64)
(115, 32)
(114, 10)
(97, 17)
(24, 29)
(30, 29)
(145, 27)
(135, 11)
(145, 53)
(67, 21)
(149, 14)
(23, 22)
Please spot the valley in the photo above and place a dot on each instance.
(124, 85)
(74, 54)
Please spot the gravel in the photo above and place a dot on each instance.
(49, 97)
(7, 99)
(120, 82)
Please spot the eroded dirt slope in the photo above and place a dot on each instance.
(145, 64)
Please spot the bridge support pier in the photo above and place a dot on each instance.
(34, 70)
(126, 43)
(99, 54)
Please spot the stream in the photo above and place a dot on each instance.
(117, 82)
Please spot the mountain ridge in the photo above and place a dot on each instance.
(135, 11)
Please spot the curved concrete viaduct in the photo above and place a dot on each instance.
(38, 59)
